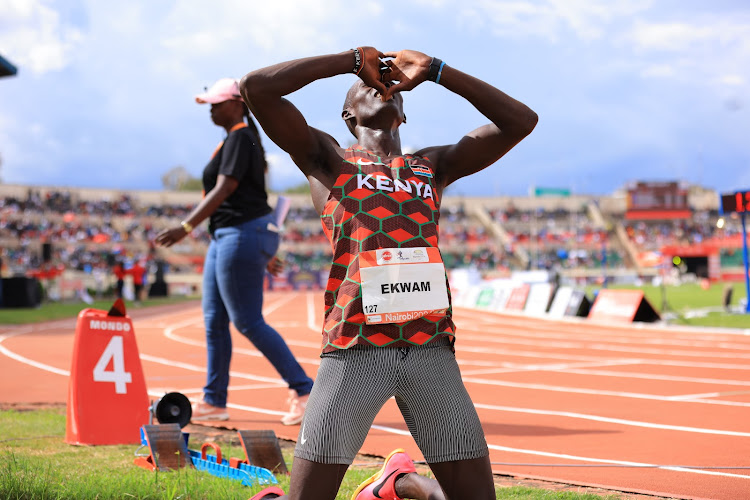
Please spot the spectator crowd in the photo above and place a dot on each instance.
(94, 235)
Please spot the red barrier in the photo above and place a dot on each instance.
(107, 398)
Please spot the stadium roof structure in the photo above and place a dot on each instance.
(6, 68)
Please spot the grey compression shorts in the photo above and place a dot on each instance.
(353, 384)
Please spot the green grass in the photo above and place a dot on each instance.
(60, 310)
(683, 299)
(36, 463)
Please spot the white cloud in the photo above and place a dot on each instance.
(34, 36)
(434, 4)
(713, 51)
(669, 36)
(230, 27)
(658, 71)
(550, 19)
(731, 80)
(592, 20)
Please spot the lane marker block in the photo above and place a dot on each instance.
(107, 398)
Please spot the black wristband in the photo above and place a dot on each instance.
(435, 67)
(357, 61)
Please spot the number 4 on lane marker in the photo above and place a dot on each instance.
(107, 398)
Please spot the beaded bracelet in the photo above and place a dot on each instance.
(358, 56)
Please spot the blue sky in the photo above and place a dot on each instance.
(625, 90)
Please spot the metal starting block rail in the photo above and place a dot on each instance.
(247, 474)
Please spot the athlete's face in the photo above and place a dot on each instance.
(366, 103)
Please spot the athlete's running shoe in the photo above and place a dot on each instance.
(296, 411)
(268, 493)
(382, 485)
(204, 412)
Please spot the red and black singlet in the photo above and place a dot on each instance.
(377, 203)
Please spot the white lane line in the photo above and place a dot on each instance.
(580, 390)
(170, 333)
(557, 367)
(490, 366)
(255, 409)
(160, 391)
(392, 430)
(694, 364)
(599, 346)
(25, 360)
(199, 390)
(202, 369)
(652, 376)
(692, 397)
(614, 462)
(402, 432)
(14, 333)
(530, 331)
(576, 357)
(311, 321)
(279, 302)
(634, 328)
(618, 421)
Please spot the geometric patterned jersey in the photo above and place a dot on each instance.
(378, 203)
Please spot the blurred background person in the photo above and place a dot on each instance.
(244, 239)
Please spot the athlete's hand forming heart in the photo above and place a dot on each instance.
(370, 73)
(407, 67)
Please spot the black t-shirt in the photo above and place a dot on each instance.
(239, 157)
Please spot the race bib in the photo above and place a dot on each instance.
(402, 284)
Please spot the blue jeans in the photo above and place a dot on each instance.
(233, 291)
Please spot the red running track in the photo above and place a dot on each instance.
(642, 409)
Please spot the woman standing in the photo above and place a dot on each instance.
(244, 239)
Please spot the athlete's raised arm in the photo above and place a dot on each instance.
(264, 89)
(511, 120)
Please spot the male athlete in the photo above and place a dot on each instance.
(388, 328)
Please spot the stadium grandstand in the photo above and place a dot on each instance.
(70, 238)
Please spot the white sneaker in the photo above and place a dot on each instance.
(297, 405)
(204, 412)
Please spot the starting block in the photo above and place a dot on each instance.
(168, 450)
(167, 447)
(262, 449)
(107, 398)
